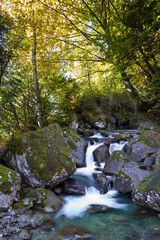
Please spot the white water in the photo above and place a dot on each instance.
(116, 146)
(90, 164)
(75, 206)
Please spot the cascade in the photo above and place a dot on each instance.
(75, 206)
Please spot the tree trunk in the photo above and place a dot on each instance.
(129, 87)
(35, 79)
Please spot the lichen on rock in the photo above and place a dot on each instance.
(42, 157)
(10, 182)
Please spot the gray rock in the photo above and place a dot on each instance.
(112, 167)
(129, 177)
(94, 208)
(102, 182)
(100, 124)
(42, 157)
(25, 234)
(149, 163)
(138, 151)
(43, 199)
(10, 182)
(79, 153)
(123, 185)
(101, 154)
(74, 186)
(147, 192)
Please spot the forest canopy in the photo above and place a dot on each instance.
(58, 57)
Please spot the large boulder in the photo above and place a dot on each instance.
(129, 177)
(79, 153)
(101, 154)
(37, 198)
(139, 151)
(146, 145)
(74, 186)
(102, 182)
(147, 192)
(115, 162)
(42, 157)
(10, 182)
(77, 146)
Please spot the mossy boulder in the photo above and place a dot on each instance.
(115, 162)
(42, 157)
(77, 145)
(10, 182)
(122, 137)
(101, 154)
(37, 198)
(147, 192)
(138, 151)
(129, 176)
(150, 138)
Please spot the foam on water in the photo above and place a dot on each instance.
(76, 206)
(90, 164)
(116, 146)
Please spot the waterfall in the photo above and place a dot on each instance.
(76, 206)
(116, 146)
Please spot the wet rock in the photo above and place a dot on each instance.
(42, 157)
(107, 141)
(79, 153)
(112, 167)
(115, 162)
(43, 199)
(99, 125)
(123, 185)
(95, 208)
(132, 237)
(147, 192)
(142, 213)
(74, 187)
(102, 182)
(129, 177)
(148, 163)
(138, 151)
(10, 182)
(76, 233)
(101, 154)
(48, 226)
(25, 234)
(122, 137)
(152, 236)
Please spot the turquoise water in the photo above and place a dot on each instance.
(129, 223)
(115, 225)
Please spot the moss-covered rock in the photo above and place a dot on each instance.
(120, 156)
(147, 192)
(42, 157)
(129, 176)
(10, 182)
(122, 137)
(150, 139)
(37, 198)
(77, 146)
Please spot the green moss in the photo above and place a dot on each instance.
(71, 137)
(151, 182)
(119, 137)
(7, 178)
(150, 138)
(124, 175)
(119, 156)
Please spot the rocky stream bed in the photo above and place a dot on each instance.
(119, 182)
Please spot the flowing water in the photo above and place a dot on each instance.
(126, 218)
